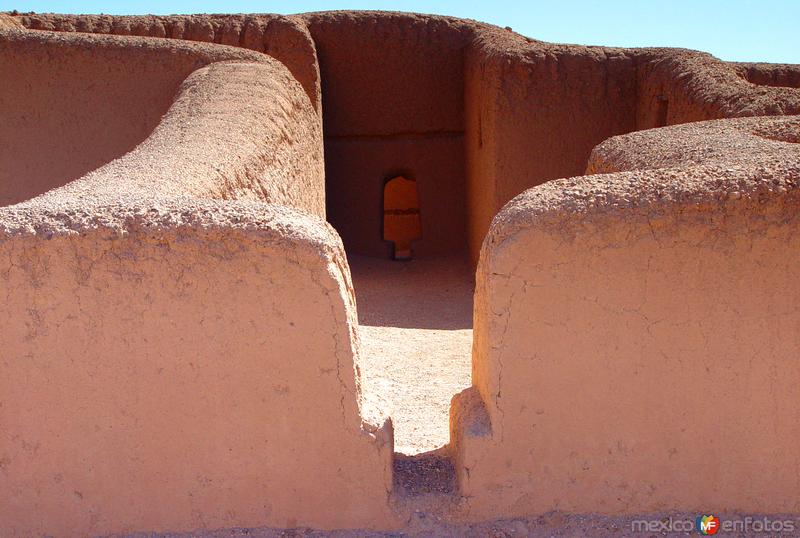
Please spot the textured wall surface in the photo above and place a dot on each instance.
(636, 333)
(177, 367)
(283, 38)
(241, 128)
(386, 112)
(685, 85)
(476, 113)
(73, 103)
(173, 359)
(180, 350)
(764, 74)
(534, 112)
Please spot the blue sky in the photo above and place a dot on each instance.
(738, 30)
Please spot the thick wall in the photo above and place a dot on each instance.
(151, 378)
(534, 112)
(739, 141)
(267, 141)
(72, 104)
(267, 144)
(7, 21)
(392, 102)
(767, 74)
(605, 304)
(283, 38)
(679, 86)
(476, 113)
(636, 334)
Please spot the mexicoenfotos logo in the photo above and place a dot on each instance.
(707, 525)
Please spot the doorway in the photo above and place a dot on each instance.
(401, 216)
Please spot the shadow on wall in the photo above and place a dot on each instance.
(480, 112)
(426, 293)
(775, 75)
(478, 126)
(392, 91)
(68, 110)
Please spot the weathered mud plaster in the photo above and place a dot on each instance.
(764, 74)
(193, 369)
(181, 350)
(195, 357)
(7, 21)
(695, 86)
(388, 113)
(741, 143)
(534, 110)
(267, 142)
(477, 114)
(636, 333)
(71, 103)
(574, 97)
(283, 38)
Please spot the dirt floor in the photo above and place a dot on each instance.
(416, 337)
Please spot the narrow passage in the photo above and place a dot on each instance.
(415, 322)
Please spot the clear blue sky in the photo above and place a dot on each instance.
(739, 30)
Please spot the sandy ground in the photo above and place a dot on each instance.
(416, 338)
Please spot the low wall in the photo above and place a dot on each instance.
(636, 336)
(178, 367)
(283, 38)
(73, 103)
(767, 74)
(679, 86)
(267, 144)
(733, 142)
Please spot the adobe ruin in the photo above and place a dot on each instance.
(182, 201)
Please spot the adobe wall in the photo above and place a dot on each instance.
(102, 98)
(283, 38)
(477, 114)
(130, 404)
(267, 144)
(719, 143)
(767, 74)
(393, 104)
(385, 111)
(148, 380)
(534, 111)
(680, 86)
(636, 333)
(628, 285)
(8, 21)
